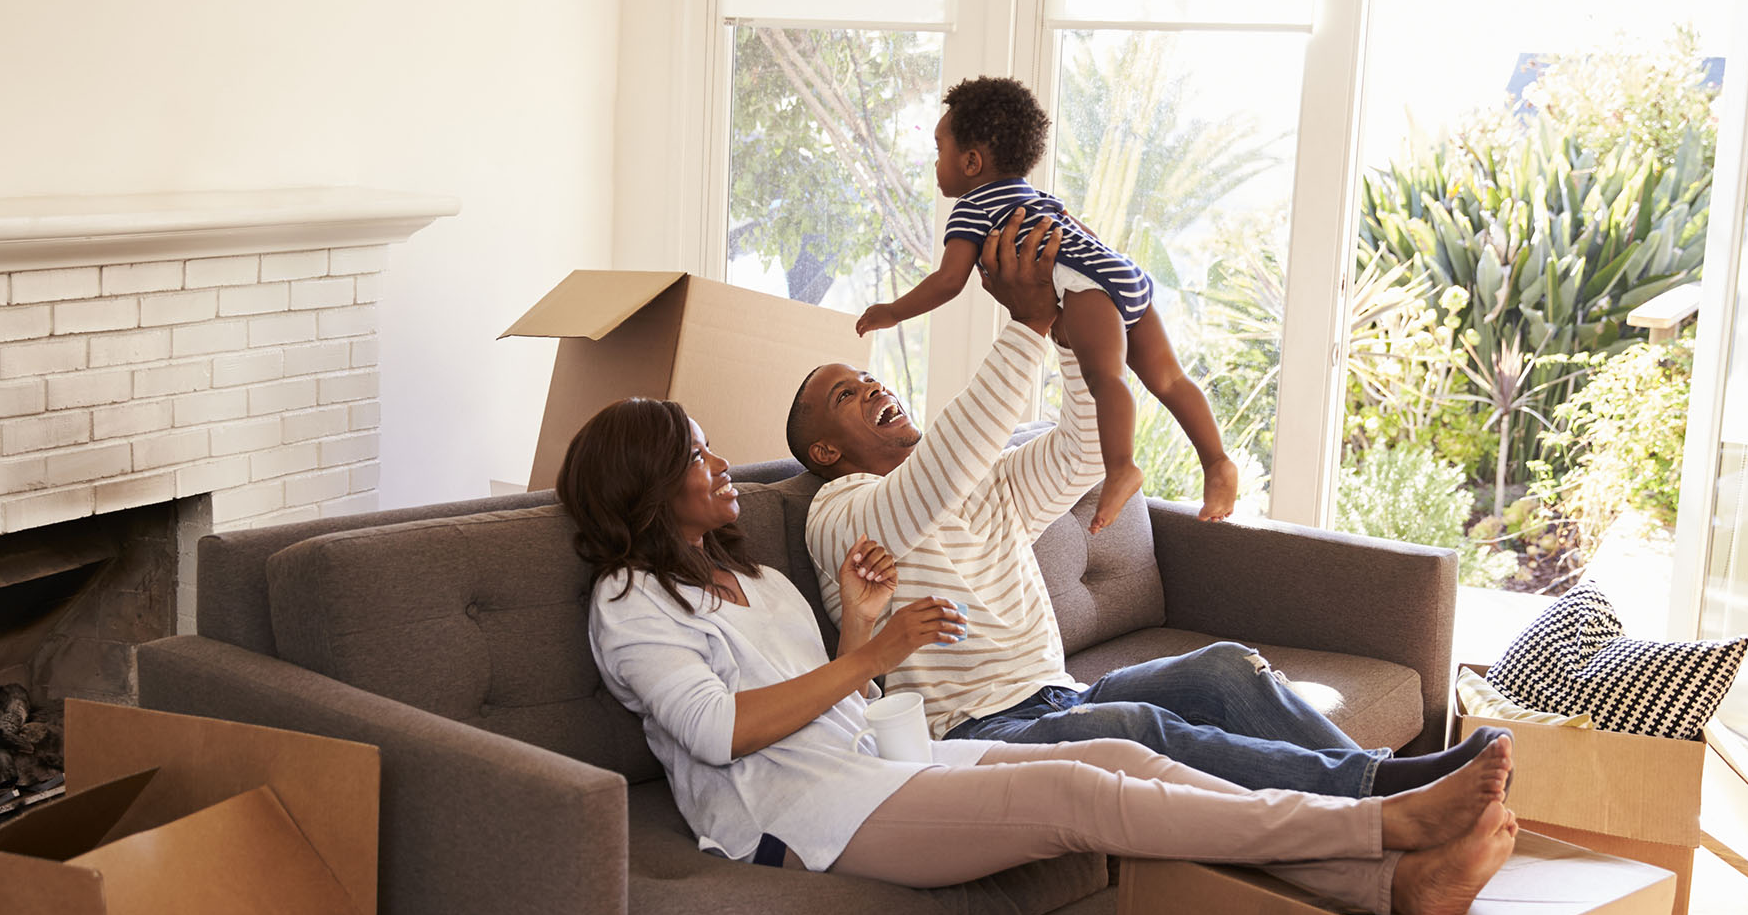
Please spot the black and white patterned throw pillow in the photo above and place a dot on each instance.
(1573, 659)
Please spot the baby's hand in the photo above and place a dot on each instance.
(878, 317)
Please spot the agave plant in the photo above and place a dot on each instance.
(1553, 246)
(1504, 375)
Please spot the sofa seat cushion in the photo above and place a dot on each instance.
(669, 874)
(1376, 702)
(477, 618)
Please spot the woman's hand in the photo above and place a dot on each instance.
(932, 620)
(866, 579)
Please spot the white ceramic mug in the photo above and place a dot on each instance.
(899, 729)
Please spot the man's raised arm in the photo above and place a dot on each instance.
(909, 503)
(1041, 480)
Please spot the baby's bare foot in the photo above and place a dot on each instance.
(1219, 490)
(1445, 880)
(1439, 812)
(1120, 484)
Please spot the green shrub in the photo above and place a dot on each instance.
(1406, 493)
(1404, 381)
(1622, 435)
(1624, 91)
(1553, 227)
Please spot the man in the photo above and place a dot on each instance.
(960, 513)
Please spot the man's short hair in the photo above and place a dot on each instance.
(797, 431)
(1002, 113)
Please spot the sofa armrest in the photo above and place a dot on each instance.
(471, 821)
(1268, 581)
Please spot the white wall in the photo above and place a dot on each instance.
(507, 105)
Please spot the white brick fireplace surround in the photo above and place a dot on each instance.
(156, 347)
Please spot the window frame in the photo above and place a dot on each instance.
(1019, 38)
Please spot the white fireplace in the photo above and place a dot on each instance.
(156, 348)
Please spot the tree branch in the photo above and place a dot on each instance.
(814, 92)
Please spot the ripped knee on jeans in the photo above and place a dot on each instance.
(1262, 667)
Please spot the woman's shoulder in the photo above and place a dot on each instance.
(624, 590)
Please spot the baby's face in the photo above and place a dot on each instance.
(950, 162)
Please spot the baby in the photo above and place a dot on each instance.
(993, 134)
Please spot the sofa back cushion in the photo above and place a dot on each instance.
(231, 591)
(1102, 586)
(479, 618)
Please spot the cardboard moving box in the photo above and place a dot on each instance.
(1622, 794)
(1543, 876)
(732, 356)
(178, 814)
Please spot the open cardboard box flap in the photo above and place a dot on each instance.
(179, 814)
(732, 356)
(591, 303)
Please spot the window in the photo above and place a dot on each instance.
(830, 175)
(790, 144)
(1177, 148)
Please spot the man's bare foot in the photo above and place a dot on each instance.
(1445, 880)
(1439, 812)
(1219, 490)
(1120, 484)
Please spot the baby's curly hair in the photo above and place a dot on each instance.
(1001, 112)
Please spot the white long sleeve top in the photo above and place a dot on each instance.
(960, 515)
(679, 671)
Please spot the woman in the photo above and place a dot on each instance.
(754, 725)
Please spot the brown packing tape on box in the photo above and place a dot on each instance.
(1622, 794)
(1543, 875)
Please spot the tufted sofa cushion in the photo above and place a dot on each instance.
(476, 618)
(1102, 586)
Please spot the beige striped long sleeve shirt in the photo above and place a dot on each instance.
(960, 514)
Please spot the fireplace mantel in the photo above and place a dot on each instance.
(41, 233)
(163, 346)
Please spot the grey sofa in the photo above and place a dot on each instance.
(453, 637)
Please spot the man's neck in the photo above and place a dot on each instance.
(879, 466)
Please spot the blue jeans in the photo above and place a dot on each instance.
(1220, 709)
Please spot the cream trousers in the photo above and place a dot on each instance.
(1025, 802)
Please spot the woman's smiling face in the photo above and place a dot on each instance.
(707, 498)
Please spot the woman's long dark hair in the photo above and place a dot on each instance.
(618, 482)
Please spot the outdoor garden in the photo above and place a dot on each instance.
(1498, 400)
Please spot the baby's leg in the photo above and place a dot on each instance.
(1095, 330)
(1154, 362)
